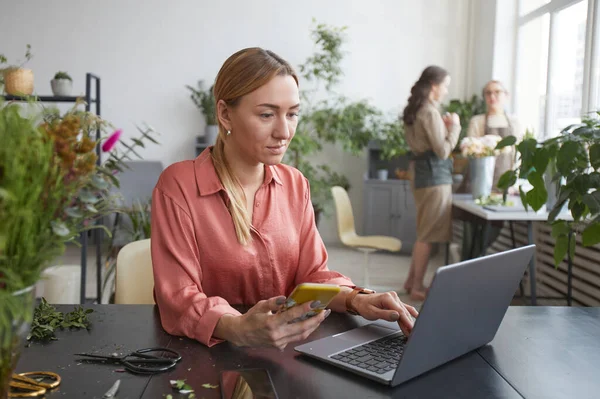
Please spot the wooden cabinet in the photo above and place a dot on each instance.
(389, 210)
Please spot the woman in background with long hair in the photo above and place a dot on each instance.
(431, 139)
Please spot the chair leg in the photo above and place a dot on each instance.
(366, 270)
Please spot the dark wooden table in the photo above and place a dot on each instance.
(539, 352)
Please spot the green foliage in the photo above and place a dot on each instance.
(52, 189)
(46, 320)
(324, 64)
(33, 196)
(62, 75)
(466, 110)
(353, 124)
(205, 101)
(572, 161)
(334, 120)
(393, 139)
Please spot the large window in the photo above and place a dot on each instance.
(532, 74)
(551, 64)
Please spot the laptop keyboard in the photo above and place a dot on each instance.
(378, 356)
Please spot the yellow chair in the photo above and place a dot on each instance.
(134, 278)
(347, 231)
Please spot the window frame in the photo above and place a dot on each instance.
(591, 84)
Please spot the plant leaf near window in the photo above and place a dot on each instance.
(572, 163)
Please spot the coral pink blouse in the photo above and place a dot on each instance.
(199, 266)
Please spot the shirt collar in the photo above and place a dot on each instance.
(208, 182)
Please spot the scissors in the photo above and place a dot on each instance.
(24, 386)
(141, 361)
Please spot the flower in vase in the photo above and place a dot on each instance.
(484, 146)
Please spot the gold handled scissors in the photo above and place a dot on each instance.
(24, 385)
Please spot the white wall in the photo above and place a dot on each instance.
(146, 52)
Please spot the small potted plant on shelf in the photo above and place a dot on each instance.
(205, 101)
(62, 84)
(16, 79)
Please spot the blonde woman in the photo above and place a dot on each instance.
(496, 122)
(236, 227)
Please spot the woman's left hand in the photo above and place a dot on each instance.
(386, 306)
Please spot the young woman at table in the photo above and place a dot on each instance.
(235, 226)
(431, 139)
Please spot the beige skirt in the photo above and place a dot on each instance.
(434, 213)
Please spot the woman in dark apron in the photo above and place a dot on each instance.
(431, 139)
(496, 122)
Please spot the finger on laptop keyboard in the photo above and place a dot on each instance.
(411, 309)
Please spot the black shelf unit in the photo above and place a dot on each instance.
(91, 80)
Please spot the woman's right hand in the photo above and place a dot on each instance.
(263, 326)
(451, 119)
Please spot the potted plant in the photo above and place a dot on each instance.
(16, 79)
(335, 120)
(62, 84)
(51, 190)
(205, 101)
(572, 159)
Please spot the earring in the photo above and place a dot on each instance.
(229, 132)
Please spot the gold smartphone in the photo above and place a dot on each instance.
(309, 292)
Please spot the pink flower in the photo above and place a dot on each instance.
(112, 140)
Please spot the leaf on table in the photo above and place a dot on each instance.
(209, 386)
(181, 386)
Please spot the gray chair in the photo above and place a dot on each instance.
(136, 182)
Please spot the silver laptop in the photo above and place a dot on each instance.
(463, 310)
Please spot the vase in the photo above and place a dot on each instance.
(16, 314)
(482, 176)
(61, 87)
(18, 81)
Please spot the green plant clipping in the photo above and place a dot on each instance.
(46, 320)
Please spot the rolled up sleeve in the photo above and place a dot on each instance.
(312, 267)
(184, 307)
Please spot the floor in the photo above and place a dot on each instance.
(387, 271)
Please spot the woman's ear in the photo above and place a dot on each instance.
(224, 114)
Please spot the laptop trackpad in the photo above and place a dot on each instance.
(365, 334)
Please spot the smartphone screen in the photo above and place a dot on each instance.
(247, 384)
